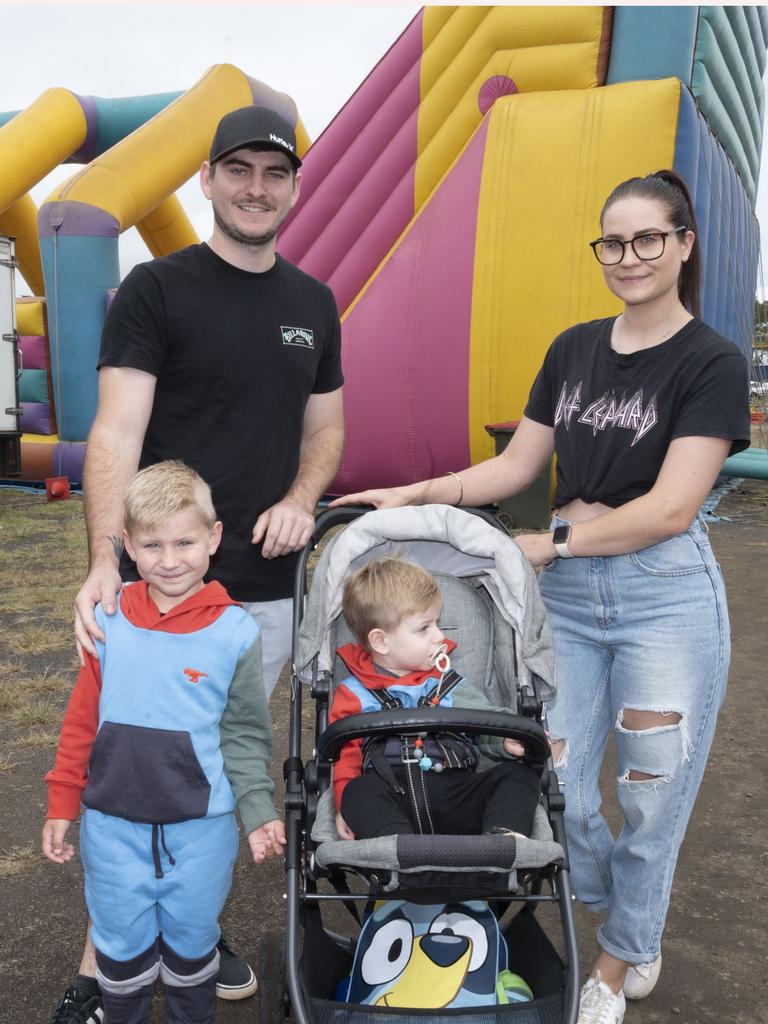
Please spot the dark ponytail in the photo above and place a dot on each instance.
(670, 191)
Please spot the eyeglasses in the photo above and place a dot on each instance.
(649, 246)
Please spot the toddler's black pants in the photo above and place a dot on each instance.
(458, 802)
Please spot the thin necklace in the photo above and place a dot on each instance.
(676, 326)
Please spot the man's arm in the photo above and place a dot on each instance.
(288, 525)
(111, 459)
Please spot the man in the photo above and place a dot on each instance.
(227, 357)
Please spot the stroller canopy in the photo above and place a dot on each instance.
(446, 541)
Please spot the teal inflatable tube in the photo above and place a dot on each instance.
(78, 270)
(748, 466)
(753, 453)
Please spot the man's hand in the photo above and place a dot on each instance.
(102, 584)
(284, 527)
(267, 840)
(345, 832)
(54, 847)
(513, 747)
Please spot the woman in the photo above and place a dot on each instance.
(641, 410)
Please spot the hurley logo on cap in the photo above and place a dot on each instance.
(279, 141)
(254, 126)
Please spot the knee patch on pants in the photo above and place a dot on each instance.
(181, 972)
(125, 977)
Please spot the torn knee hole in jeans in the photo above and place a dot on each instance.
(559, 749)
(651, 731)
(635, 775)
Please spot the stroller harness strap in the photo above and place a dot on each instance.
(415, 756)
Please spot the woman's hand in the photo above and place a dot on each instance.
(385, 497)
(538, 548)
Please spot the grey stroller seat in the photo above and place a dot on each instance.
(492, 609)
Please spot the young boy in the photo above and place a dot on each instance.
(164, 732)
(393, 607)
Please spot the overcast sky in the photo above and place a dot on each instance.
(318, 54)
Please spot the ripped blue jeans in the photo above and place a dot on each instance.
(649, 632)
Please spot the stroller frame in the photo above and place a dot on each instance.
(302, 783)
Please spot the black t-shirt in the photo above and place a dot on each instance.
(615, 415)
(236, 356)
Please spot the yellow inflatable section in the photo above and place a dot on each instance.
(527, 49)
(550, 161)
(32, 144)
(130, 179)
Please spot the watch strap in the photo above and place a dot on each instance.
(560, 538)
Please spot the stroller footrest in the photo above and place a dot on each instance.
(440, 852)
(488, 851)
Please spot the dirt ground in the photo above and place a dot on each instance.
(716, 933)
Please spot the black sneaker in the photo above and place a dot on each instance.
(81, 1004)
(236, 980)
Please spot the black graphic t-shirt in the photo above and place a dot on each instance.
(236, 356)
(615, 415)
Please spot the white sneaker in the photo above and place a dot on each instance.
(641, 979)
(599, 1004)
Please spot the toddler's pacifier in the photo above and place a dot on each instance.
(440, 658)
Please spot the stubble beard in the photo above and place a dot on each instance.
(248, 240)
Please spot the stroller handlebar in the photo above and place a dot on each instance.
(416, 721)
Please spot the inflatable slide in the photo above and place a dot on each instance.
(449, 205)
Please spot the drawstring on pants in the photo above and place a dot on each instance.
(160, 830)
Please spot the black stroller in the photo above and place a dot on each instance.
(492, 608)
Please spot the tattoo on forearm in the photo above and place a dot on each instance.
(117, 546)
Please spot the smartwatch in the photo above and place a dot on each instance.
(560, 538)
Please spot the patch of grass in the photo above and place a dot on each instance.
(32, 638)
(15, 861)
(54, 603)
(9, 696)
(61, 600)
(7, 765)
(19, 600)
(51, 682)
(21, 691)
(18, 526)
(32, 711)
(36, 739)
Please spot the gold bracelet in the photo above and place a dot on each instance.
(457, 478)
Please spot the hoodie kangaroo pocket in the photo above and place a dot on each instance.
(147, 775)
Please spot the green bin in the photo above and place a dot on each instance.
(530, 510)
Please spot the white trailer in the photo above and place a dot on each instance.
(10, 411)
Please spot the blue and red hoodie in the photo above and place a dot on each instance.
(170, 717)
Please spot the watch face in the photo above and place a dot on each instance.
(561, 534)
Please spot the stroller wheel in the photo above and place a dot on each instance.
(272, 992)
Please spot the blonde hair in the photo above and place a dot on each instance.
(161, 491)
(384, 592)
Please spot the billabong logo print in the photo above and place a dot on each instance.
(301, 336)
(194, 675)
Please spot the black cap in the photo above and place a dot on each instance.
(254, 126)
